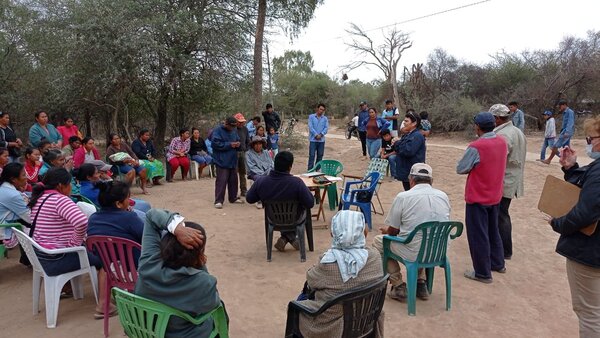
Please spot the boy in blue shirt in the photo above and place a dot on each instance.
(273, 142)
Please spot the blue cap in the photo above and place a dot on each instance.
(547, 112)
(485, 119)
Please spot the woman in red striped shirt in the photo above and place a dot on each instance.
(58, 223)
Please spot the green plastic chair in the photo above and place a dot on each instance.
(3, 250)
(145, 318)
(434, 243)
(330, 168)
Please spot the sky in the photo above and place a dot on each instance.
(470, 34)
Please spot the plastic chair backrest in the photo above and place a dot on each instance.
(377, 165)
(117, 258)
(28, 244)
(142, 317)
(434, 240)
(283, 213)
(329, 167)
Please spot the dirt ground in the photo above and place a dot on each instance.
(531, 300)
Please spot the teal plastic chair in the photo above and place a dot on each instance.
(330, 168)
(3, 250)
(434, 243)
(145, 318)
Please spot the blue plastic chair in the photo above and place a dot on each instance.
(434, 243)
(367, 187)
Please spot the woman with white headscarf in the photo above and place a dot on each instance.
(348, 264)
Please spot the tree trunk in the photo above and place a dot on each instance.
(161, 118)
(258, 46)
(394, 86)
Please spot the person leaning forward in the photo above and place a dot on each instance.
(484, 161)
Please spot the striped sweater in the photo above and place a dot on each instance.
(60, 223)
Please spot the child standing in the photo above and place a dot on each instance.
(549, 135)
(273, 141)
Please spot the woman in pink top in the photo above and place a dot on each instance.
(58, 223)
(86, 153)
(68, 129)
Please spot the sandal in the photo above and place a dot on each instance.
(471, 275)
(100, 314)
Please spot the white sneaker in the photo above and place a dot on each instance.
(259, 205)
(219, 205)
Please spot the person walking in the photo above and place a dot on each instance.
(317, 129)
(566, 132)
(484, 161)
(363, 115)
(549, 134)
(225, 143)
(513, 185)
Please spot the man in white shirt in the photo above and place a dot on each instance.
(422, 203)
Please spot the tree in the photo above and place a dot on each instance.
(385, 56)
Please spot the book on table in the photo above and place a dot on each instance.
(558, 198)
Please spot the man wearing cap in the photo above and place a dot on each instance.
(484, 161)
(566, 132)
(258, 161)
(225, 143)
(422, 203)
(318, 125)
(518, 117)
(363, 115)
(241, 154)
(513, 175)
(271, 118)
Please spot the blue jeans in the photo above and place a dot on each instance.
(319, 148)
(206, 159)
(548, 142)
(373, 146)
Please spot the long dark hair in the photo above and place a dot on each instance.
(175, 255)
(51, 155)
(112, 192)
(10, 172)
(53, 177)
(86, 170)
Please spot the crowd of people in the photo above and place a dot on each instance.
(39, 190)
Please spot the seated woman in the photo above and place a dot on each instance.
(348, 264)
(32, 166)
(199, 151)
(58, 223)
(115, 218)
(86, 153)
(88, 177)
(13, 204)
(4, 158)
(145, 151)
(258, 160)
(54, 158)
(129, 167)
(177, 155)
(172, 270)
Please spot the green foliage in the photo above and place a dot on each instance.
(453, 112)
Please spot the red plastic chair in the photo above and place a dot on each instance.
(119, 263)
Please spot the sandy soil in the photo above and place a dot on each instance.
(531, 300)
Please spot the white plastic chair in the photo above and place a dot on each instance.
(53, 284)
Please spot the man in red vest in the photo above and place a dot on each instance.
(485, 162)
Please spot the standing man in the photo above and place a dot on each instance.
(8, 138)
(513, 175)
(225, 145)
(485, 162)
(280, 185)
(241, 154)
(317, 129)
(363, 115)
(566, 132)
(271, 118)
(422, 203)
(251, 126)
(390, 113)
(518, 117)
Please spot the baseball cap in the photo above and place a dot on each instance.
(485, 119)
(231, 121)
(421, 169)
(499, 110)
(239, 117)
(100, 165)
(548, 112)
(363, 103)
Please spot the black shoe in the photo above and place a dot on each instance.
(502, 270)
(398, 293)
(422, 292)
(280, 244)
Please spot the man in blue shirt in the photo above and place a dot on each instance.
(566, 132)
(518, 117)
(363, 115)
(390, 113)
(317, 129)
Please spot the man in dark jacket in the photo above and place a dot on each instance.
(241, 154)
(271, 118)
(410, 149)
(225, 144)
(280, 185)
